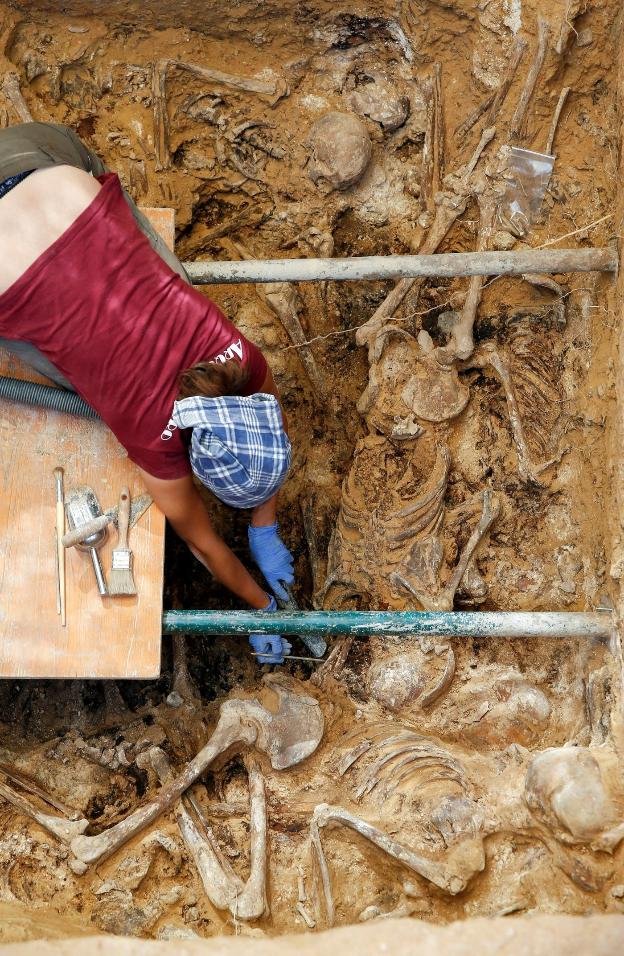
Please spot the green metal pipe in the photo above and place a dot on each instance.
(510, 624)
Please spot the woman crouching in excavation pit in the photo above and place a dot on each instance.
(91, 297)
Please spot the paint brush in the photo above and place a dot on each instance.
(120, 580)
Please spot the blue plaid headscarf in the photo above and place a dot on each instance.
(239, 448)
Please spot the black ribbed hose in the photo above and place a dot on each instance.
(45, 396)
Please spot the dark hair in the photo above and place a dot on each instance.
(212, 379)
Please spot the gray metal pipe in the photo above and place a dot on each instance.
(508, 624)
(440, 265)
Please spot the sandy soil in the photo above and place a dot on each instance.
(246, 176)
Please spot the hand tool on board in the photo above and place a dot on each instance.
(138, 507)
(60, 551)
(120, 579)
(82, 506)
(315, 644)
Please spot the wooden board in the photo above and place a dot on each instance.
(104, 637)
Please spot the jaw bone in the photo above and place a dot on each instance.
(287, 736)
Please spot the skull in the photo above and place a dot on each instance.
(340, 150)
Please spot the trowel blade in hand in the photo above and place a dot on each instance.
(315, 644)
(138, 507)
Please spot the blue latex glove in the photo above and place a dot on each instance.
(274, 645)
(272, 557)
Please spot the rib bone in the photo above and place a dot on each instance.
(529, 472)
(426, 557)
(287, 737)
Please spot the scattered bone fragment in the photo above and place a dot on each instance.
(283, 300)
(63, 829)
(439, 162)
(598, 704)
(493, 103)
(287, 736)
(340, 150)
(517, 120)
(183, 686)
(161, 69)
(317, 562)
(305, 916)
(555, 120)
(161, 115)
(450, 205)
(573, 9)
(12, 91)
(427, 180)
(517, 53)
(116, 710)
(376, 97)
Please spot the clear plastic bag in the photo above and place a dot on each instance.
(528, 175)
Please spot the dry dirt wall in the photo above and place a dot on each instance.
(455, 447)
(537, 936)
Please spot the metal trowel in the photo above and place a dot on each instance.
(315, 644)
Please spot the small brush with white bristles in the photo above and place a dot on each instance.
(120, 579)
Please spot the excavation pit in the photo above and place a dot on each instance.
(457, 420)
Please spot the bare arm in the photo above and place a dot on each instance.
(183, 507)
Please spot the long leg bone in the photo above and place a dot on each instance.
(451, 879)
(252, 903)
(12, 91)
(282, 299)
(494, 102)
(517, 120)
(64, 830)
(462, 343)
(287, 737)
(448, 211)
(224, 888)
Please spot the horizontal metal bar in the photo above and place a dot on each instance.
(440, 265)
(553, 624)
